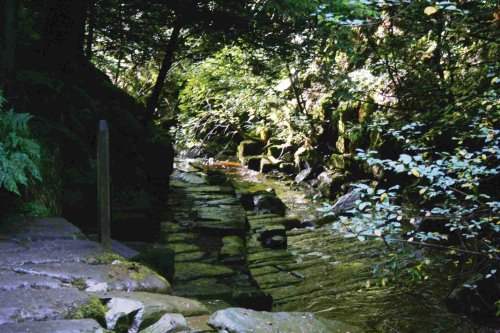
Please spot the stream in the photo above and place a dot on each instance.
(330, 273)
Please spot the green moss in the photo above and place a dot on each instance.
(139, 272)
(161, 259)
(93, 309)
(105, 258)
(79, 284)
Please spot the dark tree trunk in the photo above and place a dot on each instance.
(166, 64)
(91, 12)
(8, 37)
(64, 33)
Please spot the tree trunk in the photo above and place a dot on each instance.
(91, 26)
(166, 64)
(63, 33)
(8, 37)
(120, 37)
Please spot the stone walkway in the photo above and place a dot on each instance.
(206, 229)
(52, 278)
(239, 242)
(217, 247)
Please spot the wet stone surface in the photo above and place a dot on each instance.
(54, 326)
(206, 227)
(236, 320)
(51, 273)
(217, 253)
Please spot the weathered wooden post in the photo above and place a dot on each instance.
(103, 183)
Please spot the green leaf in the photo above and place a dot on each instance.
(430, 10)
(405, 158)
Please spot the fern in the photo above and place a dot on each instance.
(19, 152)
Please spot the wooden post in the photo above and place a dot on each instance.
(103, 182)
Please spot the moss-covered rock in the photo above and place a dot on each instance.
(92, 309)
(156, 305)
(232, 250)
(249, 148)
(330, 183)
(160, 258)
(204, 289)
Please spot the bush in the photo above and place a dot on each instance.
(19, 152)
(440, 199)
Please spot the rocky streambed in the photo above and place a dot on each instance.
(233, 246)
(303, 267)
(196, 278)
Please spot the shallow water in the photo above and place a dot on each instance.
(336, 270)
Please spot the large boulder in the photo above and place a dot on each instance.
(330, 182)
(239, 320)
(119, 275)
(52, 250)
(36, 229)
(154, 306)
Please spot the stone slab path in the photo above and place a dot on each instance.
(232, 246)
(54, 279)
(206, 229)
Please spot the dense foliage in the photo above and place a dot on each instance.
(400, 92)
(19, 153)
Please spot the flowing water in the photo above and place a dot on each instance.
(335, 272)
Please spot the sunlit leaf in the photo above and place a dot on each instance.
(430, 10)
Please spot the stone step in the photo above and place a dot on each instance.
(117, 275)
(11, 280)
(232, 250)
(203, 288)
(52, 326)
(21, 305)
(190, 271)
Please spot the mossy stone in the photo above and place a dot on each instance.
(161, 258)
